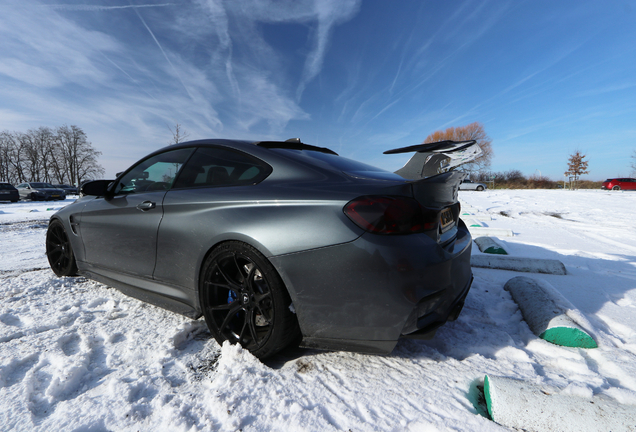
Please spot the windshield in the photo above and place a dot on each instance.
(42, 185)
(339, 163)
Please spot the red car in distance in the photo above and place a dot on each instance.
(619, 184)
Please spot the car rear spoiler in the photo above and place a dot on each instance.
(435, 158)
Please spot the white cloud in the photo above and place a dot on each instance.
(125, 73)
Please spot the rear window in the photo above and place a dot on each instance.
(339, 163)
(6, 186)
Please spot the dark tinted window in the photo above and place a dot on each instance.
(339, 163)
(6, 186)
(214, 166)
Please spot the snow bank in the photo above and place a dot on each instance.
(77, 355)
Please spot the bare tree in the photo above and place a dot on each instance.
(63, 155)
(35, 145)
(633, 165)
(6, 171)
(13, 157)
(78, 157)
(178, 135)
(576, 167)
(474, 131)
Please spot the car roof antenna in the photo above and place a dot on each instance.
(294, 140)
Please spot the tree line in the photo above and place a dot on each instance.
(60, 155)
(515, 179)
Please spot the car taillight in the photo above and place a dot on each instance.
(390, 215)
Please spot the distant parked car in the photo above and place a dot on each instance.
(70, 190)
(619, 183)
(471, 185)
(8, 193)
(40, 191)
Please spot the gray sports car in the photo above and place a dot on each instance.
(279, 242)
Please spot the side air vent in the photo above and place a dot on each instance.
(74, 224)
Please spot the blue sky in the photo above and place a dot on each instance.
(544, 77)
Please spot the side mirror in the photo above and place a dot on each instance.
(95, 188)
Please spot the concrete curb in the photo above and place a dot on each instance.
(468, 214)
(527, 265)
(490, 246)
(545, 311)
(525, 406)
(472, 223)
(495, 232)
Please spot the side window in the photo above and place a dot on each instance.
(156, 173)
(215, 166)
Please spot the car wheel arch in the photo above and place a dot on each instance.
(251, 254)
(62, 260)
(228, 238)
(250, 242)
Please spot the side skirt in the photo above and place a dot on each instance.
(147, 291)
(360, 346)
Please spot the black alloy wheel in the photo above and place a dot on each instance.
(616, 188)
(245, 301)
(59, 250)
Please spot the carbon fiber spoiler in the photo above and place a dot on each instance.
(435, 158)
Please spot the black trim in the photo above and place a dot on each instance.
(439, 146)
(293, 145)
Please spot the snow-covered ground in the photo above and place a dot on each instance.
(76, 355)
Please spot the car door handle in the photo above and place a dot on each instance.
(146, 205)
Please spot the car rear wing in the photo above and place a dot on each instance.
(436, 158)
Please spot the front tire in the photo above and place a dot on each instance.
(480, 188)
(616, 188)
(59, 250)
(245, 301)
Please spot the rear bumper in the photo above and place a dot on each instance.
(364, 295)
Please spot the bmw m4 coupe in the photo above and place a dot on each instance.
(275, 243)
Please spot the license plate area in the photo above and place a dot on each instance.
(446, 219)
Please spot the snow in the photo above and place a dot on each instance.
(77, 355)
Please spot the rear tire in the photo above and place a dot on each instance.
(245, 301)
(59, 250)
(616, 188)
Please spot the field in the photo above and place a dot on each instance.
(80, 356)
